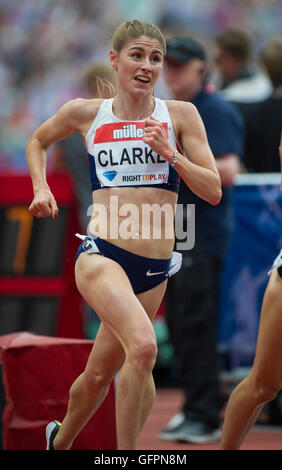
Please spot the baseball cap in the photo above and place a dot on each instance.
(183, 49)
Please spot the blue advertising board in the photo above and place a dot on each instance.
(256, 241)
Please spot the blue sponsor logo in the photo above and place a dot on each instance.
(110, 175)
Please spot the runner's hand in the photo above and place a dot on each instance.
(44, 204)
(155, 135)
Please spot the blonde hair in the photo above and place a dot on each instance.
(99, 80)
(134, 29)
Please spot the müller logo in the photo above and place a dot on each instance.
(117, 132)
(129, 131)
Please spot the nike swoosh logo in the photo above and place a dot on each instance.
(148, 273)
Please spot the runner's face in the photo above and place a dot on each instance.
(138, 65)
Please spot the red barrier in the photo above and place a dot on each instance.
(37, 374)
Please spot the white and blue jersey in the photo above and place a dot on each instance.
(118, 156)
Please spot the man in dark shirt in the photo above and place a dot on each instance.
(264, 129)
(192, 295)
(238, 77)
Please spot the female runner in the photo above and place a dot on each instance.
(265, 379)
(131, 142)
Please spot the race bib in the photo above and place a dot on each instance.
(123, 159)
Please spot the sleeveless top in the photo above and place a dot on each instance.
(118, 156)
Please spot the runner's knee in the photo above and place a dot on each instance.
(263, 392)
(143, 353)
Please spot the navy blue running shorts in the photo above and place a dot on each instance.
(143, 273)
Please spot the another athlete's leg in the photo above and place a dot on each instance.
(90, 389)
(265, 378)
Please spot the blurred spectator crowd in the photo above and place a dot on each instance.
(47, 45)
